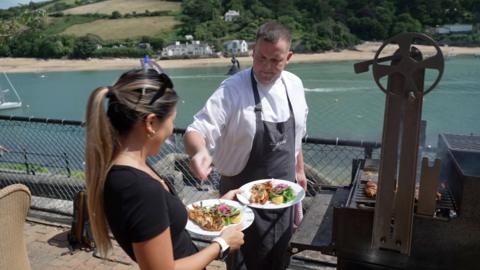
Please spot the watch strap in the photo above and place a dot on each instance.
(224, 247)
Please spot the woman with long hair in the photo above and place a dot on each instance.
(125, 195)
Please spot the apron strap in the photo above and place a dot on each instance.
(257, 151)
(292, 115)
(288, 99)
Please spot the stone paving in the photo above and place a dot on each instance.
(47, 248)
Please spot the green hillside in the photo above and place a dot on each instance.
(124, 7)
(121, 29)
(77, 28)
(118, 28)
(59, 4)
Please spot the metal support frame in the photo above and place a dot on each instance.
(394, 208)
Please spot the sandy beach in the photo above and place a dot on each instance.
(364, 51)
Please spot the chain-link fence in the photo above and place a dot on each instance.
(48, 156)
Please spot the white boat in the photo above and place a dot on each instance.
(4, 93)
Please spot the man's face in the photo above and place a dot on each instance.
(269, 59)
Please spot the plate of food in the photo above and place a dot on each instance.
(210, 217)
(270, 194)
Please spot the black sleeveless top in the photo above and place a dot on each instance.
(139, 208)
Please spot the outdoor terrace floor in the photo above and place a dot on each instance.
(47, 248)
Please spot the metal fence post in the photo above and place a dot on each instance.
(67, 167)
(26, 161)
(368, 151)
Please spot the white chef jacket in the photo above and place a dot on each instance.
(227, 121)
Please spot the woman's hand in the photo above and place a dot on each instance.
(233, 236)
(231, 195)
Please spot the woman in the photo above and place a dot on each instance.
(144, 214)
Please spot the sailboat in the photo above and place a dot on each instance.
(4, 103)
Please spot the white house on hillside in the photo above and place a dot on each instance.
(453, 28)
(188, 49)
(231, 15)
(235, 46)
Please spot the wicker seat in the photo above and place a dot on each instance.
(14, 204)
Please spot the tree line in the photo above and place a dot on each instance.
(324, 24)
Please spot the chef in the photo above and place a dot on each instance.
(253, 124)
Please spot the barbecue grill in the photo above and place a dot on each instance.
(406, 225)
(396, 230)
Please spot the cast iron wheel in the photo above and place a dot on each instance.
(407, 66)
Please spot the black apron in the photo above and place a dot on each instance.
(272, 156)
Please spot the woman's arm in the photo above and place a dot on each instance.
(199, 260)
(157, 253)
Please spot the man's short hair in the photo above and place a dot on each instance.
(273, 31)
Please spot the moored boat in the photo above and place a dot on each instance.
(4, 95)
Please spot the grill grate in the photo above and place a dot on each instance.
(444, 205)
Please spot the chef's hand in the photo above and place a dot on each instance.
(231, 194)
(201, 164)
(302, 179)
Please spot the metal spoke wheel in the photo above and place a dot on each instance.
(407, 66)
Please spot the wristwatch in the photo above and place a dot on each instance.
(224, 248)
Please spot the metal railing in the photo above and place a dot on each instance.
(48, 156)
(32, 162)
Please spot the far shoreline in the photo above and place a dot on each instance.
(364, 51)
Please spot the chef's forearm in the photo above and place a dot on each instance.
(299, 167)
(193, 142)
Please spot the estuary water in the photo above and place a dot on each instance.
(342, 104)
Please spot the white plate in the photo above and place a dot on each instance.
(247, 216)
(244, 196)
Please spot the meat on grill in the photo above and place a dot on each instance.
(371, 191)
